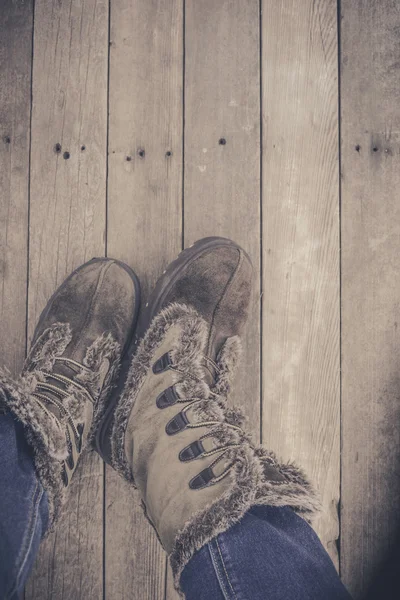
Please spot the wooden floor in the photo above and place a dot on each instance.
(130, 129)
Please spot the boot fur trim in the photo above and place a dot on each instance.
(51, 343)
(296, 492)
(228, 360)
(251, 486)
(44, 433)
(104, 347)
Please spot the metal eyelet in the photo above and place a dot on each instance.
(191, 452)
(162, 363)
(69, 461)
(168, 397)
(80, 428)
(177, 424)
(64, 475)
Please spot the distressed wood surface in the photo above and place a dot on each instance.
(144, 222)
(67, 227)
(301, 392)
(222, 182)
(144, 229)
(15, 107)
(370, 142)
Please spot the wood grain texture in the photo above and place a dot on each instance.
(299, 256)
(301, 393)
(144, 228)
(370, 142)
(15, 106)
(67, 227)
(222, 181)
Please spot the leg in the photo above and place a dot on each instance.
(271, 553)
(50, 413)
(23, 506)
(176, 437)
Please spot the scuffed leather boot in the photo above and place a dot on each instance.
(173, 435)
(76, 352)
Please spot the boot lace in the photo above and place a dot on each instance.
(57, 394)
(221, 450)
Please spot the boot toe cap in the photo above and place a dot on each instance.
(99, 297)
(217, 283)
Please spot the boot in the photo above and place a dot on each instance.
(61, 396)
(173, 435)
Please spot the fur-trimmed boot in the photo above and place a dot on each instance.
(173, 435)
(77, 347)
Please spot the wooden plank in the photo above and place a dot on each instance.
(67, 227)
(144, 228)
(15, 107)
(222, 181)
(301, 392)
(370, 142)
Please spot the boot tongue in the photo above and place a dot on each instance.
(77, 352)
(213, 348)
(210, 374)
(70, 370)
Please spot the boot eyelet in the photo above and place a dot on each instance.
(162, 363)
(194, 450)
(80, 429)
(70, 461)
(64, 475)
(177, 424)
(202, 479)
(168, 397)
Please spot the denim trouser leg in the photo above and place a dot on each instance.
(23, 509)
(272, 554)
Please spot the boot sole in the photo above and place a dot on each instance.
(152, 308)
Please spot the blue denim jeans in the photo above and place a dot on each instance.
(23, 509)
(271, 554)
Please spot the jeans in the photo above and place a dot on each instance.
(23, 509)
(270, 554)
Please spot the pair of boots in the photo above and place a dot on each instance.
(151, 397)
